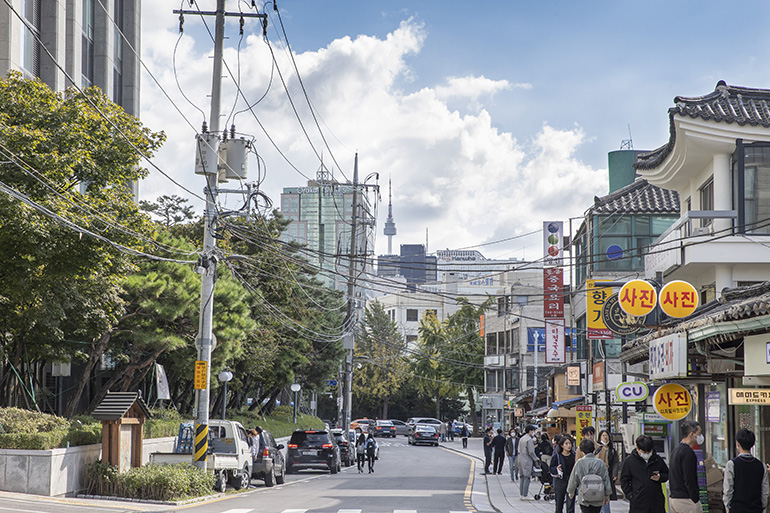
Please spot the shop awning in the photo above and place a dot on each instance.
(539, 411)
(567, 403)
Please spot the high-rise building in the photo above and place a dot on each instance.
(321, 216)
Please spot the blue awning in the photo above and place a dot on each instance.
(568, 402)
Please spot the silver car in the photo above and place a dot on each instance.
(402, 428)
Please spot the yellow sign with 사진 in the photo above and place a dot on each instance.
(672, 401)
(637, 297)
(678, 299)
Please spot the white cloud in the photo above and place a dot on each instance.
(453, 171)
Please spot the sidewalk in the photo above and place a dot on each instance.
(502, 494)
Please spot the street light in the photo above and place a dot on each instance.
(295, 388)
(224, 377)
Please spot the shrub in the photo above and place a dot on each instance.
(16, 420)
(33, 441)
(85, 435)
(155, 482)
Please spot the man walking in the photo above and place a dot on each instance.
(641, 477)
(589, 480)
(683, 477)
(588, 432)
(745, 488)
(464, 434)
(527, 458)
(487, 449)
(511, 446)
(498, 444)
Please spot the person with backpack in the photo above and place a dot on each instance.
(589, 480)
(642, 478)
(562, 463)
(745, 488)
(371, 451)
(360, 450)
(464, 435)
(511, 450)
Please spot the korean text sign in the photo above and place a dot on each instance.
(583, 419)
(554, 341)
(678, 299)
(637, 297)
(596, 297)
(672, 401)
(553, 287)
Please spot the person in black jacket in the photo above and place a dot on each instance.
(498, 446)
(487, 449)
(683, 477)
(642, 476)
(562, 462)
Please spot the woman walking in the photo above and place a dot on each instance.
(464, 435)
(361, 451)
(562, 462)
(371, 451)
(609, 455)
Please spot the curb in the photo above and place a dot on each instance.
(486, 482)
(150, 501)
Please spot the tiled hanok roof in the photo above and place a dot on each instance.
(638, 197)
(726, 104)
(116, 404)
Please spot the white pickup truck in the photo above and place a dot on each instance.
(229, 454)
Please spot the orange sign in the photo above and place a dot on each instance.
(583, 420)
(672, 401)
(200, 375)
(637, 297)
(482, 323)
(678, 299)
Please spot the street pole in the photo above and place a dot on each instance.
(349, 318)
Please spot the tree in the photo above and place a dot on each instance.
(380, 349)
(65, 162)
(429, 365)
(170, 210)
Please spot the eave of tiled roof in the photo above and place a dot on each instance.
(726, 104)
(636, 198)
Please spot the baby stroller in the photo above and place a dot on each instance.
(542, 471)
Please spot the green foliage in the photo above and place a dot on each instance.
(33, 441)
(279, 424)
(153, 482)
(85, 435)
(16, 420)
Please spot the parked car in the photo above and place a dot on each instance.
(459, 428)
(423, 420)
(347, 449)
(423, 434)
(401, 427)
(364, 424)
(384, 428)
(312, 449)
(269, 465)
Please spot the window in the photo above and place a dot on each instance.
(752, 196)
(87, 58)
(30, 48)
(491, 344)
(117, 70)
(706, 193)
(411, 315)
(411, 339)
(621, 241)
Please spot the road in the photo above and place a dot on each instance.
(407, 479)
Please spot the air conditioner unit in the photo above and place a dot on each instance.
(701, 231)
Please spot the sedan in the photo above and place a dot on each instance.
(401, 427)
(423, 434)
(384, 428)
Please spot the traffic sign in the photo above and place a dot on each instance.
(672, 401)
(331, 382)
(637, 297)
(678, 299)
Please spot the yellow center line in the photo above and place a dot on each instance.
(469, 486)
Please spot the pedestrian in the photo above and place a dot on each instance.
(498, 445)
(527, 459)
(587, 432)
(545, 449)
(642, 478)
(487, 449)
(589, 480)
(745, 488)
(452, 431)
(442, 431)
(609, 455)
(360, 450)
(684, 496)
(511, 447)
(464, 434)
(562, 463)
(371, 451)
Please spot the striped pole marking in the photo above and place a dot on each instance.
(201, 441)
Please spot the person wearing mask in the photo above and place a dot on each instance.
(562, 463)
(527, 459)
(745, 487)
(683, 475)
(588, 473)
(498, 445)
(510, 451)
(587, 432)
(642, 478)
(360, 450)
(487, 449)
(464, 434)
(609, 455)
(371, 451)
(545, 449)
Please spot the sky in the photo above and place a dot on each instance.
(488, 117)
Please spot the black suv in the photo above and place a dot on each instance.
(312, 449)
(269, 464)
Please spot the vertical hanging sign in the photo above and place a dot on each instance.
(482, 329)
(596, 297)
(553, 287)
(553, 243)
(554, 341)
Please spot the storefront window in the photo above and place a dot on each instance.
(716, 417)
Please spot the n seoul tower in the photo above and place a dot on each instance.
(390, 224)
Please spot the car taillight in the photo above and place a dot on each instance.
(292, 446)
(266, 452)
(378, 427)
(327, 446)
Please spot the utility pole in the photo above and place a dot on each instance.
(207, 149)
(349, 336)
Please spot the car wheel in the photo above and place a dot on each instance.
(281, 478)
(333, 468)
(242, 479)
(289, 469)
(270, 477)
(221, 483)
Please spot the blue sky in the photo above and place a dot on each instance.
(491, 117)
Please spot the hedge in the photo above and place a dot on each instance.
(153, 482)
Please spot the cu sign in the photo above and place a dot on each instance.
(632, 391)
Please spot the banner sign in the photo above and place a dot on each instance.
(554, 341)
(482, 327)
(573, 376)
(668, 356)
(553, 287)
(201, 373)
(596, 297)
(538, 335)
(553, 243)
(161, 383)
(598, 376)
(583, 420)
